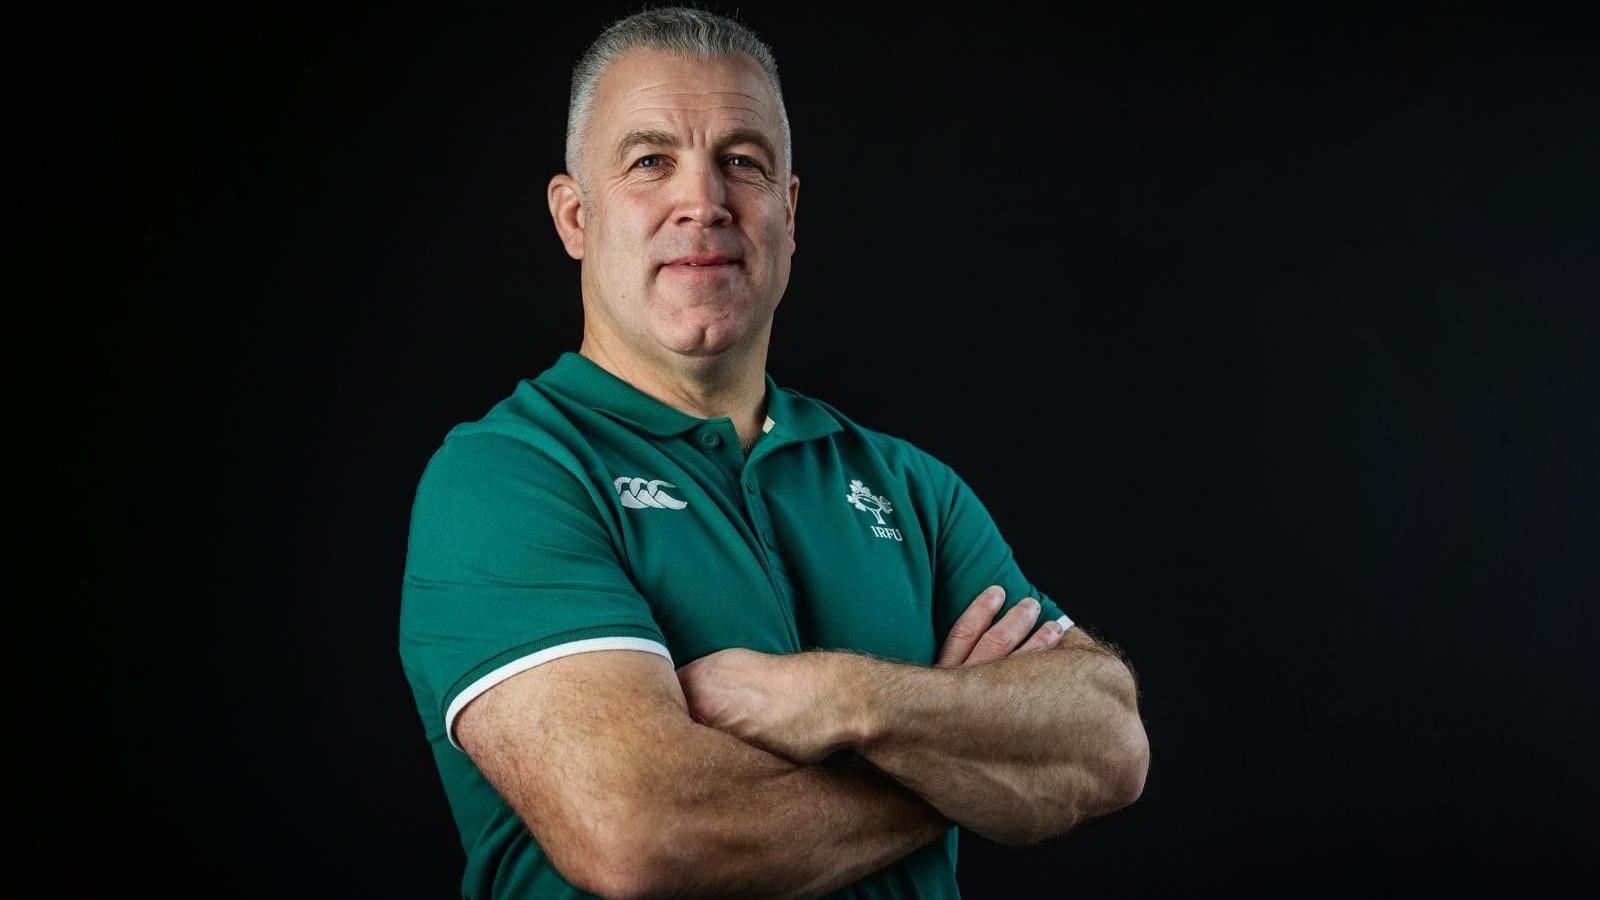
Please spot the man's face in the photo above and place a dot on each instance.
(684, 158)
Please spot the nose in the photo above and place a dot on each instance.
(703, 196)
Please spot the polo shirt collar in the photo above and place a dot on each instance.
(584, 380)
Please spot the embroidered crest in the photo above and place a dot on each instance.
(866, 501)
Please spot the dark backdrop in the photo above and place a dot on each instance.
(1269, 340)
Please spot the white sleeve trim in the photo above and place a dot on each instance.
(522, 664)
(1065, 622)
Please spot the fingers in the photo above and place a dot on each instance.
(999, 641)
(964, 634)
(1046, 637)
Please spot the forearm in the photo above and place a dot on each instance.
(1018, 750)
(729, 819)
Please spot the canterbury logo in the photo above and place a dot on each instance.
(638, 493)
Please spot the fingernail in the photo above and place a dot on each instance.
(996, 595)
(1030, 604)
(1054, 627)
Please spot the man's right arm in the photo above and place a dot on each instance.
(628, 796)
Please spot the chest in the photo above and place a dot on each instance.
(810, 547)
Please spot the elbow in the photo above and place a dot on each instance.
(1132, 766)
(629, 864)
(1129, 766)
(601, 854)
(1122, 775)
(615, 872)
(1118, 782)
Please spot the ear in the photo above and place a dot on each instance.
(794, 201)
(566, 208)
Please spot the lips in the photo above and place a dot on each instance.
(702, 260)
(706, 272)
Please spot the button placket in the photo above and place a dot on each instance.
(759, 524)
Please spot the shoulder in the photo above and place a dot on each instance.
(504, 461)
(491, 492)
(893, 448)
(516, 433)
(529, 417)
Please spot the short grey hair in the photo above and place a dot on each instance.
(683, 30)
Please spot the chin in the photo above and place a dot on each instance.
(694, 335)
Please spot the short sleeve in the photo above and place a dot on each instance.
(970, 555)
(508, 565)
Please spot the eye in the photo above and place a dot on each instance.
(749, 162)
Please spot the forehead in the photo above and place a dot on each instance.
(655, 87)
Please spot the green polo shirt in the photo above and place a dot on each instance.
(581, 514)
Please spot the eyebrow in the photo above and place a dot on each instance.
(654, 137)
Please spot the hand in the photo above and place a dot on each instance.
(778, 702)
(970, 645)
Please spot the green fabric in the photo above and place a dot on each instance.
(580, 509)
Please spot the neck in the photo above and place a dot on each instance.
(703, 387)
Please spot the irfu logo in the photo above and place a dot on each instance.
(866, 501)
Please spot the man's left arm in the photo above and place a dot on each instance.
(1019, 749)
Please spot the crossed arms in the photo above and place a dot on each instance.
(641, 781)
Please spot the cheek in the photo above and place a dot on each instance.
(781, 241)
(624, 230)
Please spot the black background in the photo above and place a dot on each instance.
(1268, 338)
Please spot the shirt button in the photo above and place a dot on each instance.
(750, 488)
(709, 439)
(771, 541)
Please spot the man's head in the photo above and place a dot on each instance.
(678, 146)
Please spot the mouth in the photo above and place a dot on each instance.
(702, 261)
(702, 269)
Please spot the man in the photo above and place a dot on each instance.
(656, 499)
